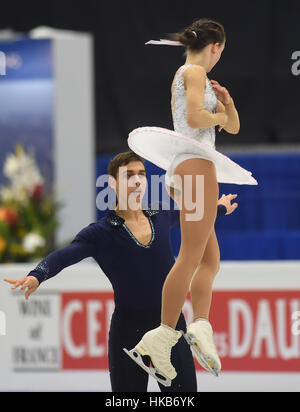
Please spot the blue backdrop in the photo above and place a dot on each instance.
(266, 224)
(27, 103)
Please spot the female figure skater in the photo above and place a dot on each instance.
(198, 105)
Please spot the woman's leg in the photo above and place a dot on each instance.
(202, 282)
(200, 333)
(194, 235)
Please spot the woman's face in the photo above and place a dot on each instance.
(216, 52)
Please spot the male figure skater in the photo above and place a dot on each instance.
(133, 249)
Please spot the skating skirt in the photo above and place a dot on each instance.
(167, 149)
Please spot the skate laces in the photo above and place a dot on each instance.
(168, 341)
(207, 333)
(167, 349)
(174, 337)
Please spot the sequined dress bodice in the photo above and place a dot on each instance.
(206, 135)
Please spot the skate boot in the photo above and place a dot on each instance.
(157, 344)
(200, 337)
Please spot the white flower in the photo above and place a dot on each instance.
(6, 195)
(11, 166)
(23, 173)
(32, 241)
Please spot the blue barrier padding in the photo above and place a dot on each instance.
(266, 224)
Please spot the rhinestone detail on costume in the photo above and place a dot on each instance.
(43, 269)
(115, 220)
(135, 239)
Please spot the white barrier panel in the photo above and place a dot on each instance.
(57, 340)
(51, 114)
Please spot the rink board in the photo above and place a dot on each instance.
(57, 340)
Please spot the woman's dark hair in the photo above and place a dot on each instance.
(200, 34)
(122, 159)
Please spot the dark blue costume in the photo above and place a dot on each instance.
(137, 273)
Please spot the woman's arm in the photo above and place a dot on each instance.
(196, 115)
(233, 122)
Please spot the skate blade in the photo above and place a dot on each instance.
(205, 361)
(136, 356)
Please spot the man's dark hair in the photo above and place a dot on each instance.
(122, 159)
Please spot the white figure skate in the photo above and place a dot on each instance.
(200, 337)
(157, 344)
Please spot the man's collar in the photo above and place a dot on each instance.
(115, 220)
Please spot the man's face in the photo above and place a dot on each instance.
(131, 182)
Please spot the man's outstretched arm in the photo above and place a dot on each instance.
(82, 246)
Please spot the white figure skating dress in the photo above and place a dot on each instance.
(168, 148)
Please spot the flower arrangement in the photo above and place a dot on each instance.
(28, 216)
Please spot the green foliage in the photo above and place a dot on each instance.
(28, 217)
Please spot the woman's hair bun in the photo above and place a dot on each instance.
(201, 33)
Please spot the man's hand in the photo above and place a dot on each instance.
(226, 201)
(29, 282)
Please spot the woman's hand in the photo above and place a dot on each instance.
(221, 92)
(29, 282)
(226, 201)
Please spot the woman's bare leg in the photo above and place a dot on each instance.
(202, 282)
(194, 237)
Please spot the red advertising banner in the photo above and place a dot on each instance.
(253, 330)
(84, 329)
(257, 330)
